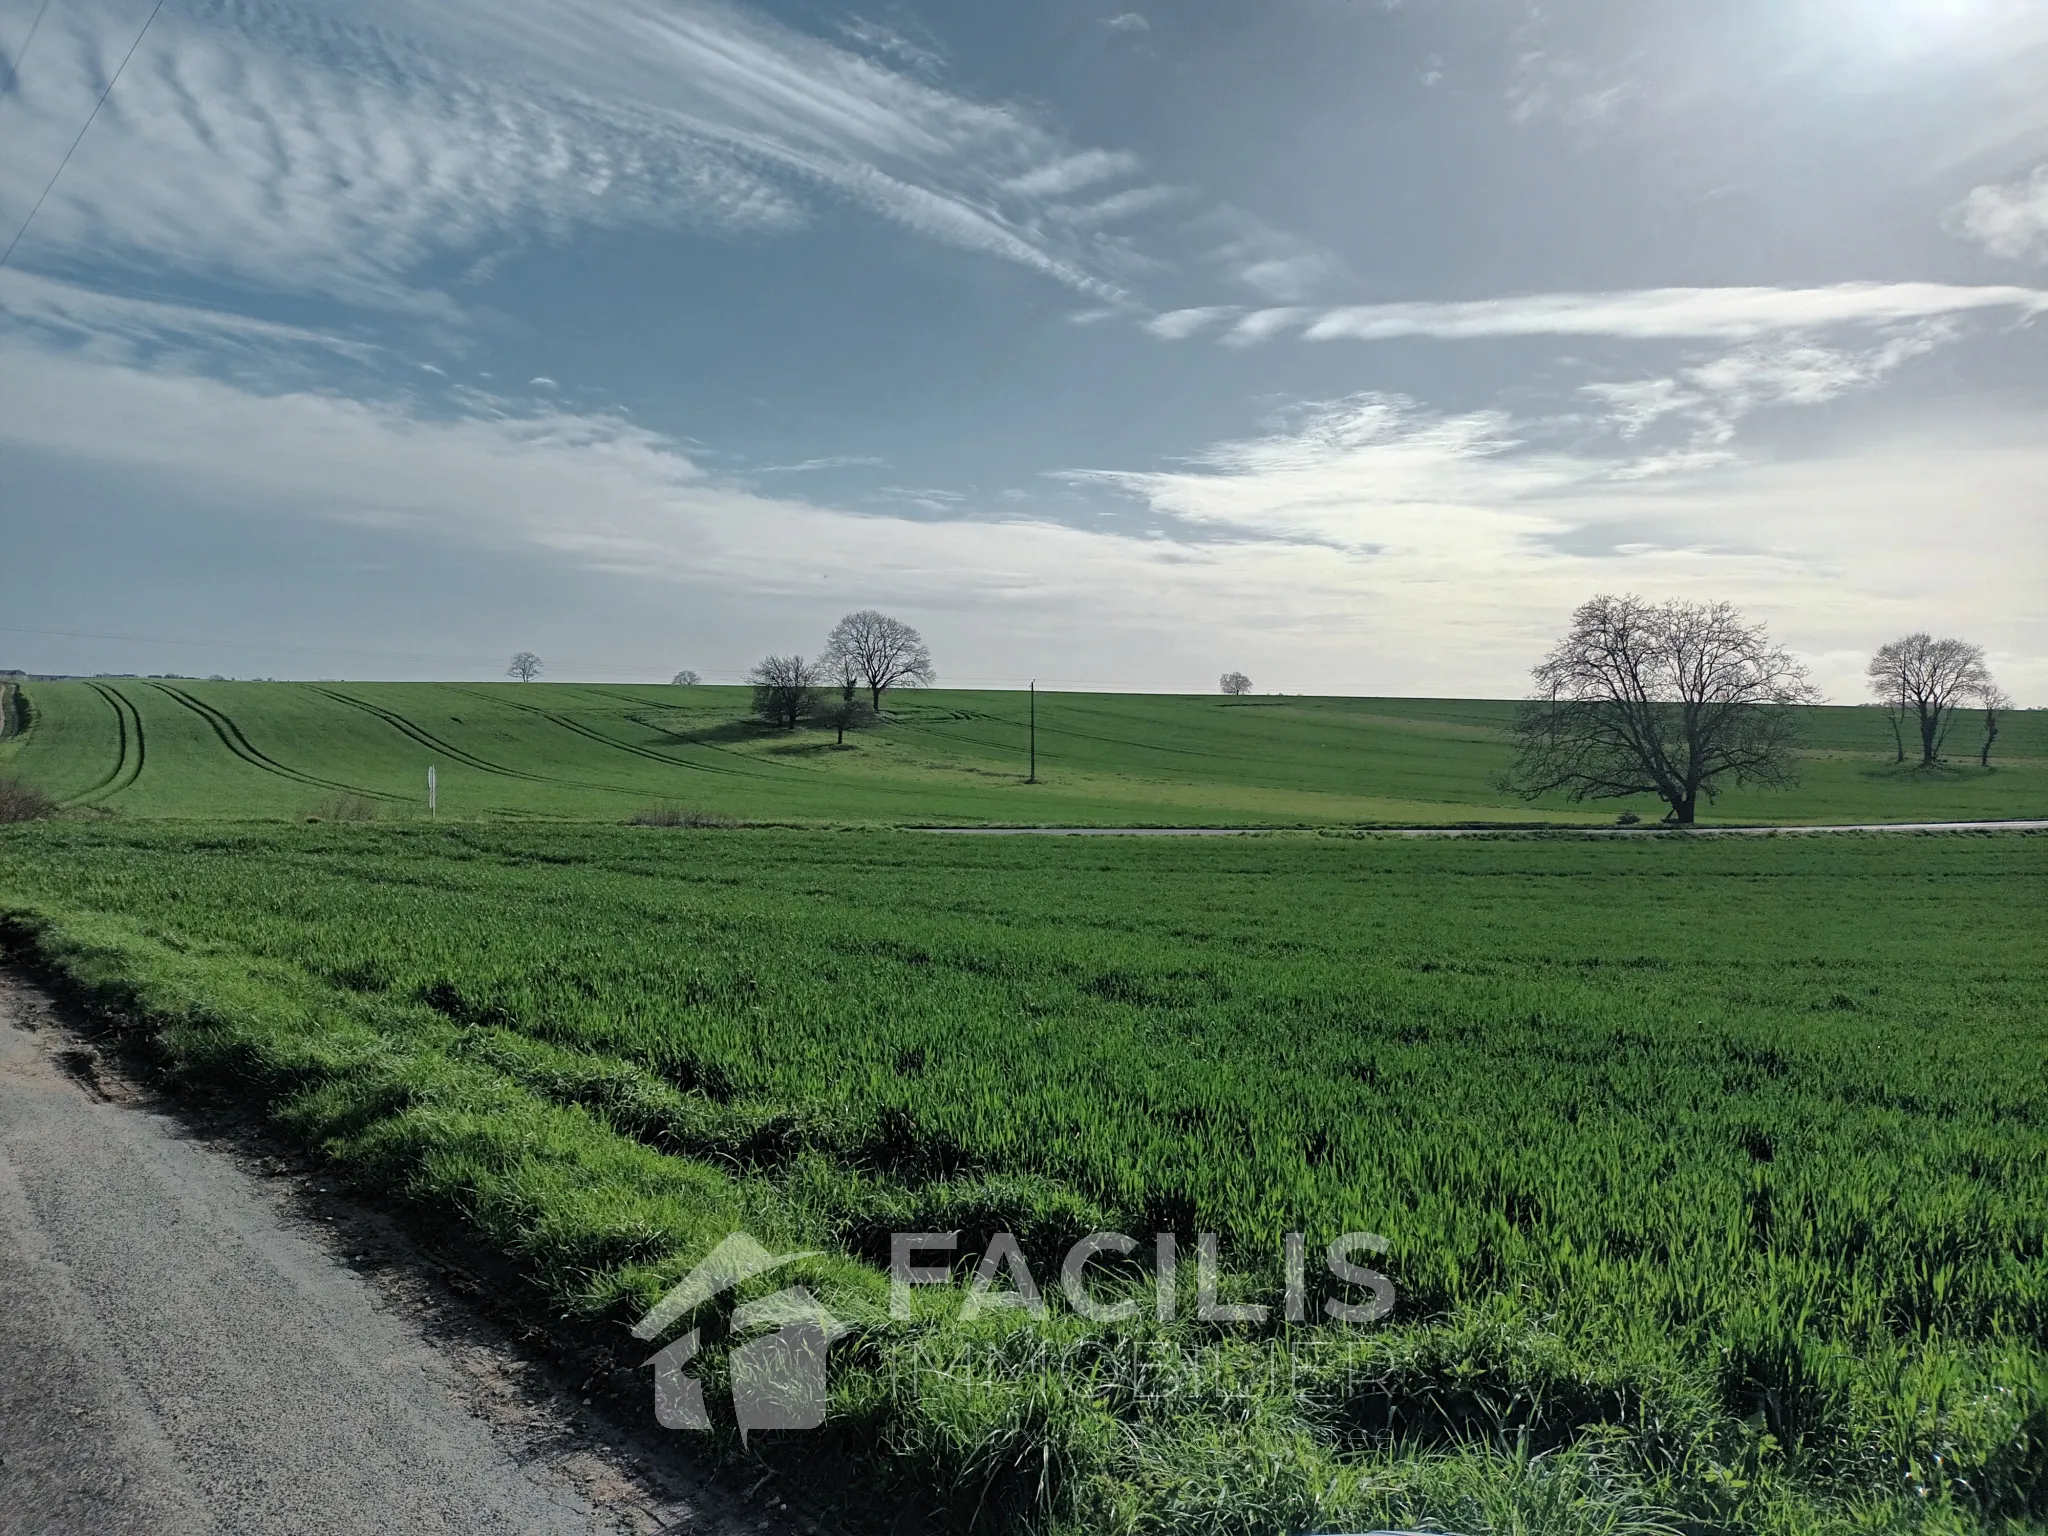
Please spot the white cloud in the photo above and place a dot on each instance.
(1070, 173)
(1288, 277)
(121, 325)
(1129, 21)
(1272, 262)
(1458, 527)
(831, 461)
(1118, 205)
(340, 155)
(1363, 544)
(877, 38)
(2009, 220)
(1370, 473)
(1179, 324)
(1712, 394)
(1547, 84)
(1644, 314)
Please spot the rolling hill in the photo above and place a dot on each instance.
(175, 748)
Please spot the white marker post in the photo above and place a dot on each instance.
(430, 792)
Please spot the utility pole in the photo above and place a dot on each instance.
(1034, 733)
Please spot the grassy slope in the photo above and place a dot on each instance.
(600, 751)
(1722, 1192)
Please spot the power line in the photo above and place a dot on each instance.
(90, 117)
(14, 69)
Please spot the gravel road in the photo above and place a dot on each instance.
(184, 1350)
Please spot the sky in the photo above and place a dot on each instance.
(1347, 343)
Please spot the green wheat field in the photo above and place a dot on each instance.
(1714, 1172)
(600, 752)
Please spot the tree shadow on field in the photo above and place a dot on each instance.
(1947, 771)
(725, 733)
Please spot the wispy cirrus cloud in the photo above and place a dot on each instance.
(112, 325)
(890, 43)
(829, 461)
(1645, 314)
(1070, 173)
(343, 154)
(1708, 396)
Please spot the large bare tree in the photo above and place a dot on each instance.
(1931, 680)
(525, 666)
(1668, 699)
(785, 689)
(884, 653)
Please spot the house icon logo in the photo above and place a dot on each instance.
(778, 1377)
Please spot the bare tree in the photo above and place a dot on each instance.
(1667, 699)
(686, 679)
(884, 653)
(1895, 717)
(1996, 702)
(525, 666)
(785, 689)
(1234, 683)
(847, 711)
(1932, 679)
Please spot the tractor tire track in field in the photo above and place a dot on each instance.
(231, 737)
(606, 741)
(468, 759)
(129, 748)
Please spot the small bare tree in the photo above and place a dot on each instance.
(884, 653)
(785, 689)
(686, 679)
(1895, 717)
(846, 710)
(1930, 679)
(1996, 702)
(1667, 699)
(1235, 683)
(525, 666)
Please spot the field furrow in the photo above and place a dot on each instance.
(231, 737)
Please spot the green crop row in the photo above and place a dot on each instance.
(1714, 1173)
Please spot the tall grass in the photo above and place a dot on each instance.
(1716, 1175)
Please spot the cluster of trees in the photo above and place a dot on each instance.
(1931, 681)
(866, 652)
(1680, 699)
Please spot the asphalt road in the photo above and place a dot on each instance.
(178, 1354)
(1647, 828)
